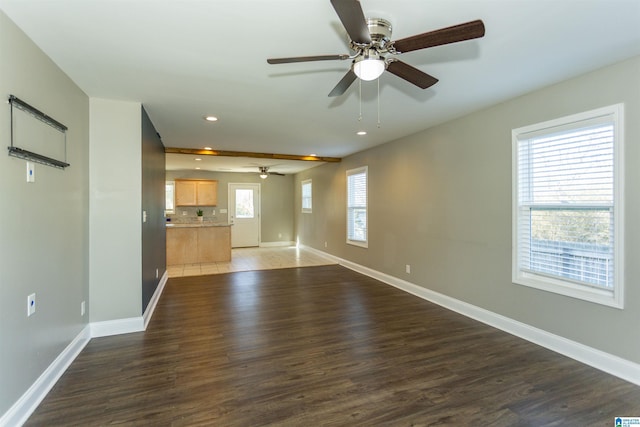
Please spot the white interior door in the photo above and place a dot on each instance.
(244, 214)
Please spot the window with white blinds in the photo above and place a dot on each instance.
(357, 206)
(169, 193)
(568, 205)
(307, 201)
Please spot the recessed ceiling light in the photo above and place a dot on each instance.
(313, 155)
(197, 168)
(208, 148)
(197, 159)
(361, 133)
(211, 118)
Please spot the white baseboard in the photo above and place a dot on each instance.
(146, 316)
(29, 401)
(598, 359)
(276, 244)
(117, 327)
(131, 324)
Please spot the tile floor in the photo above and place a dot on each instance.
(244, 259)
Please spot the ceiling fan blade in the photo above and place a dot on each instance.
(453, 34)
(353, 20)
(344, 84)
(411, 74)
(276, 173)
(306, 59)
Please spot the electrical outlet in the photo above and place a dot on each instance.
(325, 244)
(82, 308)
(184, 213)
(213, 212)
(31, 304)
(408, 269)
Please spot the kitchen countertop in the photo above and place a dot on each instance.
(198, 224)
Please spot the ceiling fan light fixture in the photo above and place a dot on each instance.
(369, 66)
(264, 172)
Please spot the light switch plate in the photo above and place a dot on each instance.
(31, 172)
(31, 304)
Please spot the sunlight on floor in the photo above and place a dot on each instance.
(245, 259)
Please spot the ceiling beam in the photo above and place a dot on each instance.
(201, 152)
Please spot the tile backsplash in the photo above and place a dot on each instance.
(187, 214)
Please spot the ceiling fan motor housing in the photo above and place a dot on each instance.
(380, 30)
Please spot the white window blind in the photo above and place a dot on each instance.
(307, 200)
(357, 206)
(566, 206)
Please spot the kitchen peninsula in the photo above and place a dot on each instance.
(193, 243)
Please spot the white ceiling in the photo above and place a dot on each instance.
(184, 59)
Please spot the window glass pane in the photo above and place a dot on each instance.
(244, 203)
(357, 205)
(571, 167)
(306, 196)
(572, 244)
(169, 197)
(566, 181)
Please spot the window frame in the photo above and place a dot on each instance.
(350, 240)
(615, 296)
(302, 196)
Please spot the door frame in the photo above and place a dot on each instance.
(257, 205)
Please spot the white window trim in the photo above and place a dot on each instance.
(614, 298)
(360, 243)
(302, 184)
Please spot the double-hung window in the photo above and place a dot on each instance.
(307, 200)
(357, 206)
(567, 206)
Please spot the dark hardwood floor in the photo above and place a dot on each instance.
(323, 346)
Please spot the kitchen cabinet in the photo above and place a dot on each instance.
(182, 244)
(196, 192)
(195, 244)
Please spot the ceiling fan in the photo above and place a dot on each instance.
(371, 42)
(264, 172)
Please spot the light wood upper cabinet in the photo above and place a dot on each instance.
(207, 193)
(185, 193)
(196, 192)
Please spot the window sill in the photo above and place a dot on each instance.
(358, 243)
(574, 290)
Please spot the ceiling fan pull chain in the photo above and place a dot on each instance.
(360, 99)
(378, 103)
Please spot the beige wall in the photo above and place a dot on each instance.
(277, 201)
(440, 200)
(116, 209)
(44, 237)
